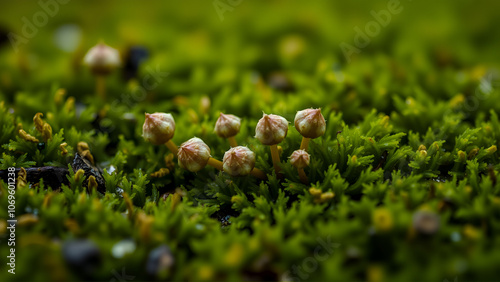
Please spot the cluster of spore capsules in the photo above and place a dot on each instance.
(194, 154)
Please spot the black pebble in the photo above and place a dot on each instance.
(41, 146)
(381, 247)
(4, 38)
(280, 81)
(82, 255)
(160, 259)
(89, 169)
(135, 56)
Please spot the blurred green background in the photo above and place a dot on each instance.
(203, 52)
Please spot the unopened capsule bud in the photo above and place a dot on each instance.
(193, 154)
(239, 161)
(426, 222)
(271, 129)
(102, 59)
(310, 123)
(227, 125)
(300, 159)
(158, 128)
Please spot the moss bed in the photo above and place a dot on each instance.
(404, 184)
